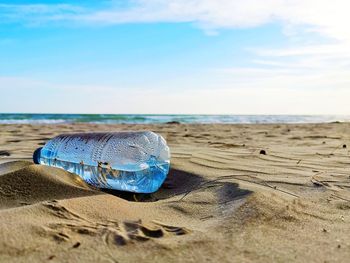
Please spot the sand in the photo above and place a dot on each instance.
(235, 193)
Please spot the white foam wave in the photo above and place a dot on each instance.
(30, 121)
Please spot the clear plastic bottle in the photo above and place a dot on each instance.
(128, 161)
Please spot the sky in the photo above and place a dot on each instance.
(175, 56)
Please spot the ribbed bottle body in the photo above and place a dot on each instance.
(128, 161)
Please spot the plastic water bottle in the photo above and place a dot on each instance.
(128, 161)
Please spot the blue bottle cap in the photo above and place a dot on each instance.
(36, 155)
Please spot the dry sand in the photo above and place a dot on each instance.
(224, 200)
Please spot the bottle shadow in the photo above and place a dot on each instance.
(180, 183)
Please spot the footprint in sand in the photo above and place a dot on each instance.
(4, 153)
(112, 233)
(135, 231)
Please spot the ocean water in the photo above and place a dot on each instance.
(8, 118)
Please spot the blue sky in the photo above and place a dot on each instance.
(156, 56)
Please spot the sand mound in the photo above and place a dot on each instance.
(24, 183)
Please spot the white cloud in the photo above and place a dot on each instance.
(329, 18)
(38, 14)
(323, 60)
(339, 49)
(38, 8)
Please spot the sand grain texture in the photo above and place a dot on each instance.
(235, 193)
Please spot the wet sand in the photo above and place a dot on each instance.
(235, 193)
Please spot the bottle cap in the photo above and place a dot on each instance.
(36, 155)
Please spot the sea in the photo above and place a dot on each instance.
(26, 118)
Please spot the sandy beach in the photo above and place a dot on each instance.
(235, 193)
